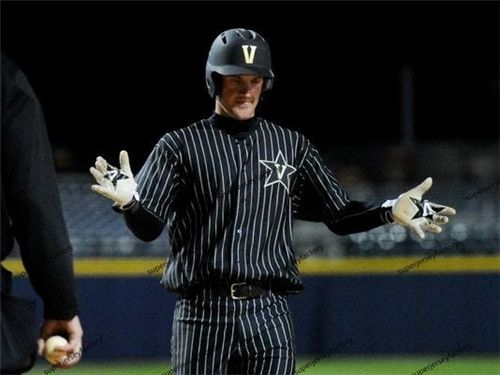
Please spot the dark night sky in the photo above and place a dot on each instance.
(120, 74)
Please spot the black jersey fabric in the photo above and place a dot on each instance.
(228, 190)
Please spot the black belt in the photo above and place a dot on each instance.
(236, 291)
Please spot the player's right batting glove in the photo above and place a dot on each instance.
(420, 216)
(115, 184)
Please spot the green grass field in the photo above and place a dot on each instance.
(465, 365)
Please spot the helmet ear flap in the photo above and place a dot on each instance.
(268, 84)
(214, 83)
(266, 87)
(217, 80)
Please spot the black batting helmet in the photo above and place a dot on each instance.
(237, 52)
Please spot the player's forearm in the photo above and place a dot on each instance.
(144, 224)
(358, 217)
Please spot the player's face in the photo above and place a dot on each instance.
(240, 96)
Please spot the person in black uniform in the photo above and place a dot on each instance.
(227, 188)
(32, 214)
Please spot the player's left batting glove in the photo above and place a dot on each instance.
(420, 216)
(115, 184)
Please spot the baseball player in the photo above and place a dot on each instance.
(227, 188)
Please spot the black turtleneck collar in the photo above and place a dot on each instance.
(236, 128)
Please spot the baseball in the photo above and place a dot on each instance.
(50, 352)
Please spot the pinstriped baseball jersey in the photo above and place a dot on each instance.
(228, 199)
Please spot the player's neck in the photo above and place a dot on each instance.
(231, 125)
(226, 117)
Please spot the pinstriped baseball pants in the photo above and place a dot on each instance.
(217, 335)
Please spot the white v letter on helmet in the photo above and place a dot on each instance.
(115, 184)
(420, 216)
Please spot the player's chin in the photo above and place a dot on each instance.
(243, 111)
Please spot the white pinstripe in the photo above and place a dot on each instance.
(191, 335)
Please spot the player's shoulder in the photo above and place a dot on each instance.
(175, 139)
(274, 127)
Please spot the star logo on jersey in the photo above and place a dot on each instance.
(280, 171)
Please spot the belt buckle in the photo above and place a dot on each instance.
(233, 287)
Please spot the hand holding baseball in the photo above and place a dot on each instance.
(57, 349)
(54, 349)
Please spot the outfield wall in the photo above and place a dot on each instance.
(379, 312)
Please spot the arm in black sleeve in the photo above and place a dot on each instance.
(144, 224)
(32, 197)
(358, 217)
(318, 196)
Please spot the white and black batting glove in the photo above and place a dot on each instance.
(115, 184)
(420, 216)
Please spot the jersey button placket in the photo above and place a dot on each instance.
(238, 222)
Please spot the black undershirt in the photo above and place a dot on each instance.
(236, 128)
